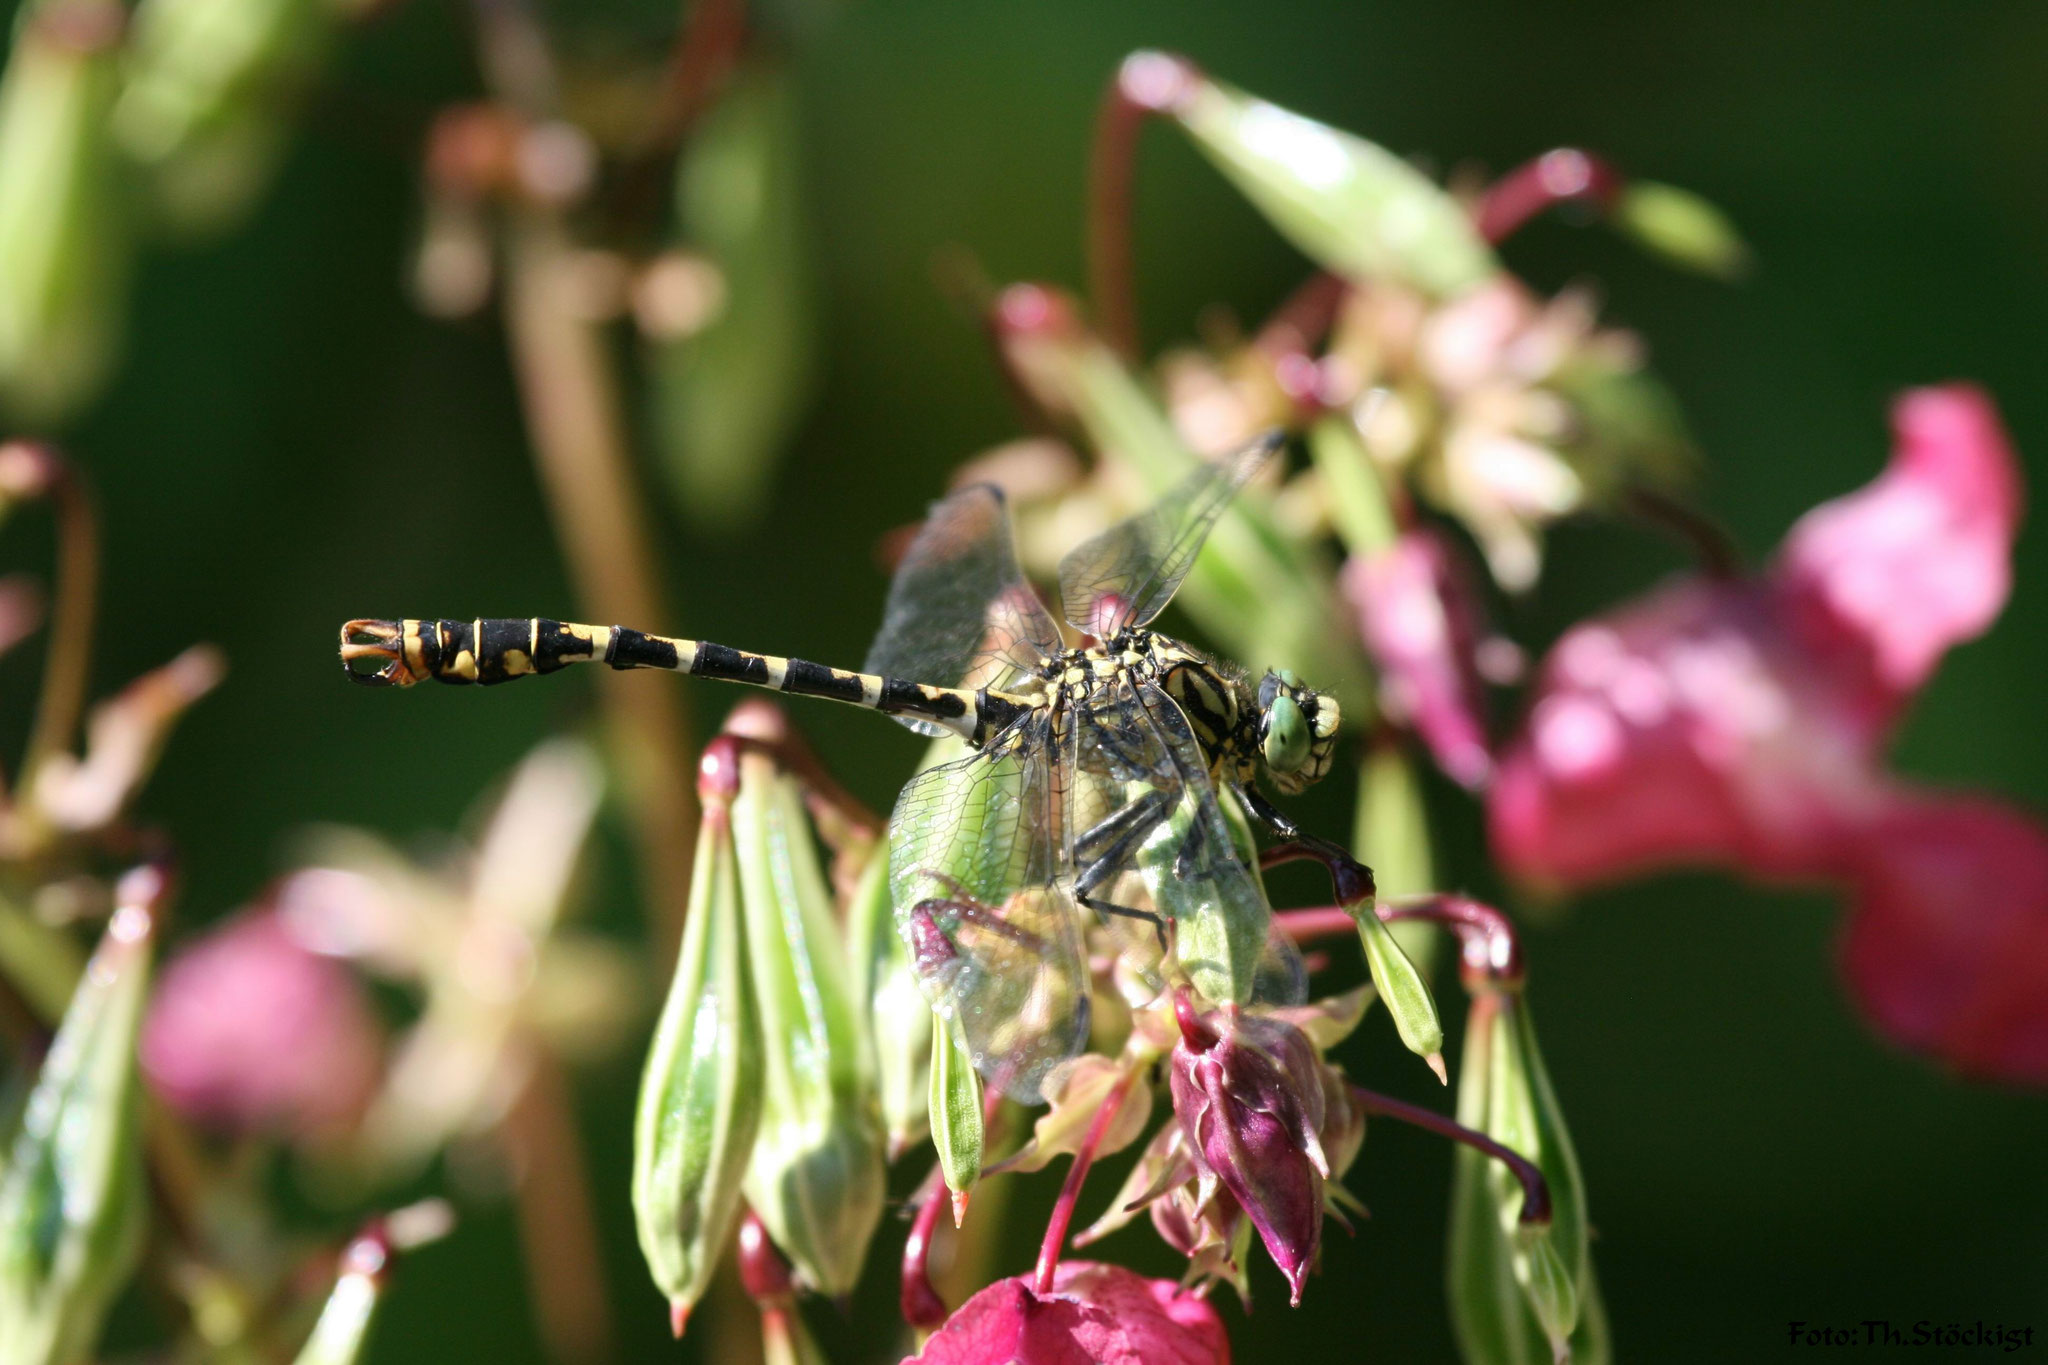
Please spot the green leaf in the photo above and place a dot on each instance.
(1352, 486)
(71, 1199)
(700, 1095)
(817, 1171)
(1354, 208)
(728, 397)
(63, 241)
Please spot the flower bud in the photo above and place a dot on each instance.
(817, 1170)
(63, 245)
(700, 1096)
(1353, 207)
(1249, 1095)
(956, 1116)
(71, 1195)
(343, 1328)
(1518, 1291)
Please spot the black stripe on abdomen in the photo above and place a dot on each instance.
(720, 661)
(899, 696)
(816, 680)
(634, 649)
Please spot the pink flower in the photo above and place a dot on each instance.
(1742, 723)
(1419, 616)
(1095, 1315)
(250, 1031)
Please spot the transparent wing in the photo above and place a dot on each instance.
(1169, 826)
(976, 874)
(959, 611)
(1127, 575)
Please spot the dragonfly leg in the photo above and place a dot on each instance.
(1106, 850)
(1352, 878)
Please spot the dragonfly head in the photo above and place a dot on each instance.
(1297, 731)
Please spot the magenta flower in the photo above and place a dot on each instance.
(1248, 1091)
(1095, 1314)
(1420, 618)
(1742, 723)
(249, 1031)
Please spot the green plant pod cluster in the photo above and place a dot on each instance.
(956, 1118)
(1261, 594)
(1390, 833)
(72, 1197)
(210, 87)
(700, 1095)
(1683, 228)
(1352, 207)
(1519, 1295)
(817, 1170)
(727, 397)
(64, 246)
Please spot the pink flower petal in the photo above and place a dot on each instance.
(1095, 1315)
(1420, 620)
(1920, 559)
(1947, 940)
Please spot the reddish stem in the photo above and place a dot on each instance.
(919, 1298)
(1314, 926)
(1490, 949)
(1535, 1191)
(1304, 317)
(1147, 83)
(1070, 1193)
(1564, 175)
(1712, 547)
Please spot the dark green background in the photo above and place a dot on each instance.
(289, 445)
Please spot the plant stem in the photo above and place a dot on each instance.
(1146, 83)
(1535, 1192)
(67, 668)
(1491, 950)
(1712, 547)
(556, 1226)
(1564, 175)
(922, 1307)
(1070, 1193)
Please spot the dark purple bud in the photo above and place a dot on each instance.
(1250, 1096)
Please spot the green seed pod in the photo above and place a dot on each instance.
(1518, 1294)
(1220, 946)
(72, 1200)
(1352, 207)
(1683, 228)
(817, 1172)
(63, 243)
(729, 388)
(700, 1095)
(897, 1012)
(956, 1114)
(1403, 989)
(210, 84)
(1391, 832)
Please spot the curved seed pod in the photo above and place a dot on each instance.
(817, 1171)
(700, 1095)
(63, 242)
(71, 1199)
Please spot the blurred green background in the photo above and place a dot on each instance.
(289, 444)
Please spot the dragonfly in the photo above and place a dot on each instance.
(1096, 781)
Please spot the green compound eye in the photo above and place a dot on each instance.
(1286, 740)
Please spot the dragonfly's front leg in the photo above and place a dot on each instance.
(1105, 850)
(1353, 879)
